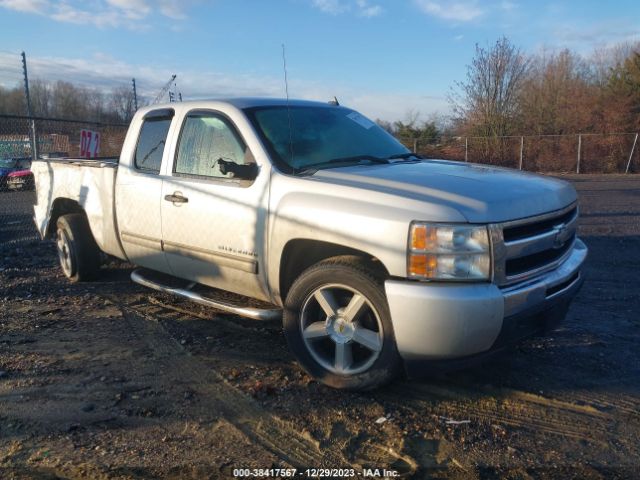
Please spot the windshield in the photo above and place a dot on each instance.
(7, 163)
(321, 134)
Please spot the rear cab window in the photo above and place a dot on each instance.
(152, 140)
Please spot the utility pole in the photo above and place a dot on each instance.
(521, 151)
(135, 94)
(635, 140)
(579, 153)
(34, 142)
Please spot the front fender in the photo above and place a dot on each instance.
(371, 222)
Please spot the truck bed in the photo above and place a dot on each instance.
(90, 184)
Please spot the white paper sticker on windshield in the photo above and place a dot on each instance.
(360, 120)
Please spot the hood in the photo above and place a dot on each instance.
(482, 194)
(19, 173)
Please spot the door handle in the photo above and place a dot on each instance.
(176, 198)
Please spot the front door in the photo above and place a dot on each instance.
(214, 225)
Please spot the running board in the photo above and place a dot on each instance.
(249, 312)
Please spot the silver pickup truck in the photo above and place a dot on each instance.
(375, 258)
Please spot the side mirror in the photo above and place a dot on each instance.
(248, 171)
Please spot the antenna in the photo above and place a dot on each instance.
(284, 67)
(286, 89)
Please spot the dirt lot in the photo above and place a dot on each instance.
(109, 380)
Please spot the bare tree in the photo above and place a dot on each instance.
(41, 97)
(488, 101)
(12, 101)
(604, 60)
(122, 103)
(98, 109)
(409, 127)
(69, 101)
(385, 125)
(624, 86)
(557, 96)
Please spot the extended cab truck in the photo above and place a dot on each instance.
(375, 258)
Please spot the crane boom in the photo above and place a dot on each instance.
(164, 90)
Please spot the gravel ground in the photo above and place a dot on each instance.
(110, 380)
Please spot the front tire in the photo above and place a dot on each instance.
(337, 323)
(78, 252)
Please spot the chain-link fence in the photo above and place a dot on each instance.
(577, 153)
(58, 137)
(54, 138)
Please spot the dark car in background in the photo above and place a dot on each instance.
(20, 180)
(11, 165)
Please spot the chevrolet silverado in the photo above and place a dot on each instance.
(374, 258)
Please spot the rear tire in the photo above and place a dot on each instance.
(337, 323)
(78, 252)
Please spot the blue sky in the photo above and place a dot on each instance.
(382, 57)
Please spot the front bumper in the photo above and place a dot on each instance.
(445, 321)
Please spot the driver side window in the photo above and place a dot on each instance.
(206, 138)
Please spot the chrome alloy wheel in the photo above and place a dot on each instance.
(341, 329)
(64, 252)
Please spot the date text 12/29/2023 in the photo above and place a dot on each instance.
(314, 473)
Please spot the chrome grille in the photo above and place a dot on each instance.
(525, 248)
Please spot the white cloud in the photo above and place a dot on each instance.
(174, 8)
(69, 14)
(362, 8)
(508, 6)
(334, 7)
(29, 6)
(367, 10)
(133, 9)
(584, 37)
(101, 13)
(459, 11)
(394, 106)
(105, 72)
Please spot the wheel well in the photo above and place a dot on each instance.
(61, 206)
(298, 255)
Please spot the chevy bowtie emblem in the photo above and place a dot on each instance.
(559, 239)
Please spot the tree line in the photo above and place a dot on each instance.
(65, 100)
(509, 92)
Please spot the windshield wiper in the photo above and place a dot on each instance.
(342, 161)
(405, 156)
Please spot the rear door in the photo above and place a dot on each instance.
(138, 193)
(213, 224)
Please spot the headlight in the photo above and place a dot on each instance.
(448, 252)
